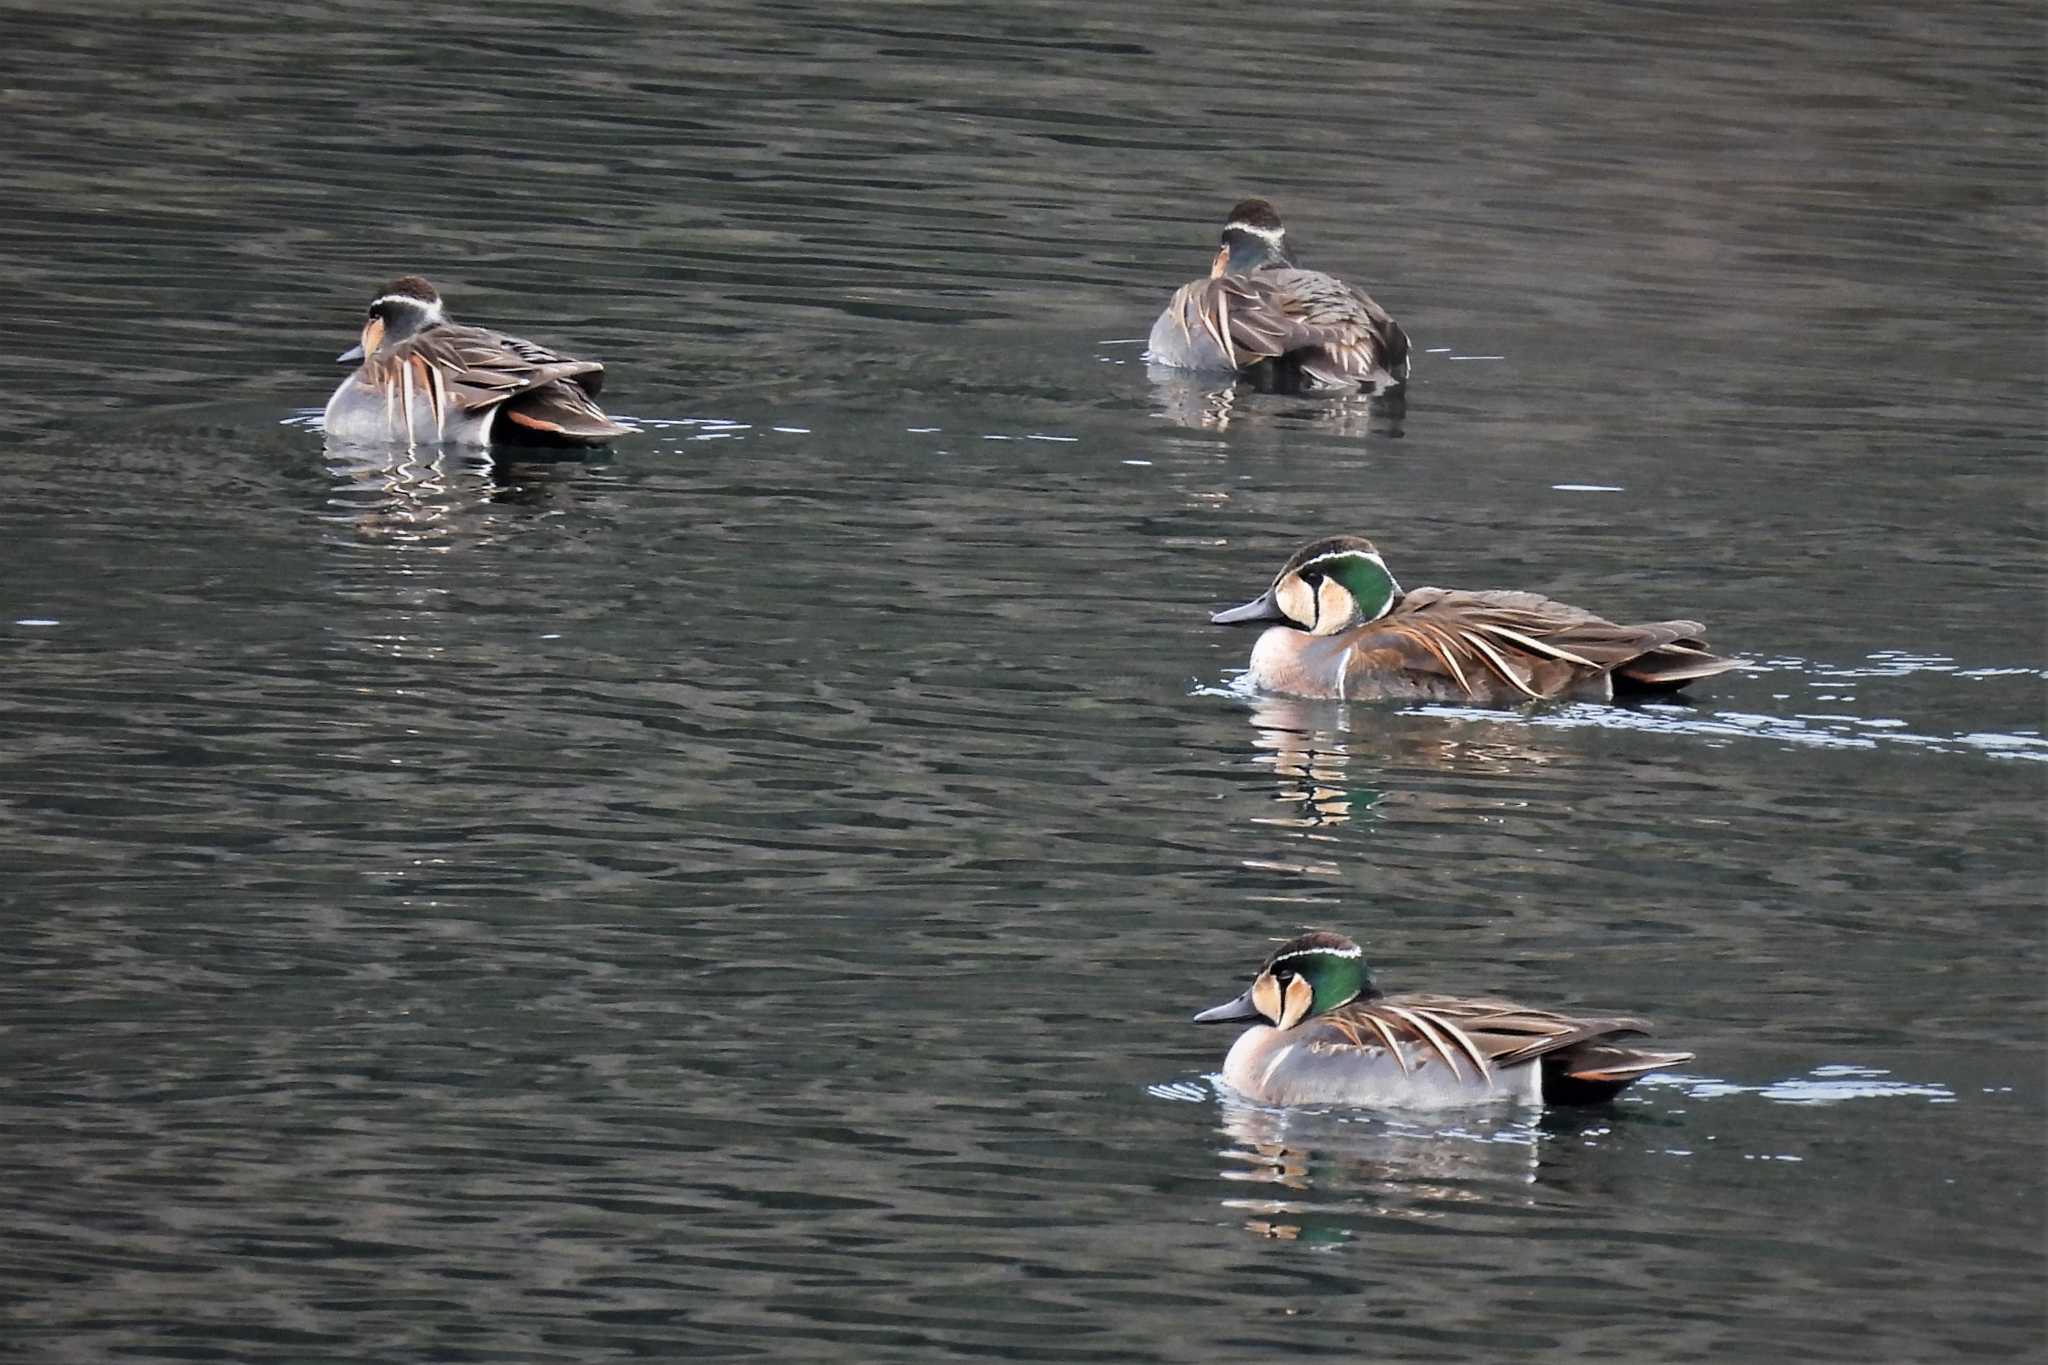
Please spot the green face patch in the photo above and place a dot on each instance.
(1335, 977)
(1362, 575)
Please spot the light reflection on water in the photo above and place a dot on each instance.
(1822, 731)
(1327, 1176)
(1835, 1083)
(1701, 718)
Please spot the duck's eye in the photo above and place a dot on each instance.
(1283, 976)
(1312, 577)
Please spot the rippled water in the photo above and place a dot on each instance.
(741, 895)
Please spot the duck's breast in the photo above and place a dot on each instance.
(1296, 663)
(359, 414)
(1180, 340)
(350, 412)
(1304, 1066)
(1353, 666)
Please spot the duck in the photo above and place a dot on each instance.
(1275, 322)
(1323, 1034)
(423, 378)
(1341, 628)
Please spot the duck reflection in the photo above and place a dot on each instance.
(426, 497)
(1314, 747)
(1309, 1176)
(1311, 758)
(1212, 402)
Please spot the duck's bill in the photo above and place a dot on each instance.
(350, 356)
(1261, 608)
(1236, 1011)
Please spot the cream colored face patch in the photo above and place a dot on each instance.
(1266, 997)
(1299, 997)
(1334, 606)
(373, 336)
(1295, 598)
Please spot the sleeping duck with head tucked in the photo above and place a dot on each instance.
(422, 378)
(1266, 317)
(1322, 1033)
(1340, 627)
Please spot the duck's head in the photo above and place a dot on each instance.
(1254, 236)
(1326, 586)
(1307, 976)
(406, 305)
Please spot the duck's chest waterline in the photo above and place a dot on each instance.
(1304, 1066)
(1175, 344)
(359, 413)
(1331, 666)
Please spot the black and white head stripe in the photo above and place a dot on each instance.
(1257, 218)
(1330, 548)
(1327, 556)
(1321, 941)
(397, 306)
(411, 291)
(1350, 950)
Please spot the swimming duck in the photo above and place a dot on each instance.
(1345, 629)
(425, 379)
(1322, 1033)
(1264, 316)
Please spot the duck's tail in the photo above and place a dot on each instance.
(1672, 661)
(560, 413)
(1594, 1071)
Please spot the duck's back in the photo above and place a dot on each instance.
(1323, 332)
(470, 385)
(1436, 1051)
(1493, 648)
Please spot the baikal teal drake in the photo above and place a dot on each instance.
(1322, 1033)
(1342, 628)
(425, 379)
(1270, 320)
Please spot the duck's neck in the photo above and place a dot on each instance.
(1249, 251)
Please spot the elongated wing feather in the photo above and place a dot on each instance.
(1582, 1060)
(1521, 646)
(487, 367)
(541, 394)
(1342, 335)
(1498, 1033)
(1338, 336)
(1618, 1064)
(561, 410)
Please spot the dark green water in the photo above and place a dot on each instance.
(741, 897)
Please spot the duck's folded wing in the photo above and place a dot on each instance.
(1526, 644)
(1651, 654)
(588, 375)
(1336, 335)
(481, 369)
(1235, 321)
(560, 410)
(1493, 1034)
(1339, 335)
(536, 390)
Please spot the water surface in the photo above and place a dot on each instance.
(741, 895)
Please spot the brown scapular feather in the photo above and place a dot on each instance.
(1499, 646)
(1423, 1027)
(469, 370)
(1583, 1059)
(1335, 336)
